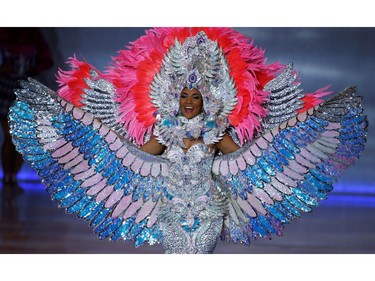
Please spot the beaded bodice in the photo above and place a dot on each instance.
(190, 172)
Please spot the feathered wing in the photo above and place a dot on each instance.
(287, 170)
(286, 99)
(87, 167)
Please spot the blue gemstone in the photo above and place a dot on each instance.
(99, 217)
(277, 214)
(289, 145)
(271, 160)
(261, 174)
(142, 237)
(305, 197)
(113, 226)
(265, 166)
(84, 139)
(48, 172)
(257, 228)
(297, 137)
(159, 183)
(22, 110)
(265, 224)
(64, 192)
(86, 211)
(283, 210)
(321, 176)
(90, 144)
(281, 149)
(66, 128)
(81, 132)
(56, 177)
(148, 190)
(79, 205)
(43, 163)
(136, 229)
(236, 233)
(318, 121)
(310, 134)
(125, 174)
(309, 121)
(101, 159)
(211, 124)
(298, 204)
(192, 78)
(155, 236)
(318, 184)
(309, 189)
(279, 157)
(72, 198)
(35, 157)
(132, 184)
(251, 176)
(64, 182)
(94, 150)
(112, 167)
(351, 121)
(290, 208)
(94, 211)
(103, 225)
(354, 135)
(240, 189)
(138, 191)
(123, 230)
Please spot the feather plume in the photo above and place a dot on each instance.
(71, 83)
(312, 99)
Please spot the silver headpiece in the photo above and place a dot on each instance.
(197, 63)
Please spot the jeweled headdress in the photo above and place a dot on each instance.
(147, 78)
(197, 63)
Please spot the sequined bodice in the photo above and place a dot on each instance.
(190, 172)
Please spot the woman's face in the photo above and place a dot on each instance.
(191, 103)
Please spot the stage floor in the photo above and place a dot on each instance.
(32, 223)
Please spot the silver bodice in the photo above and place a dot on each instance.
(192, 210)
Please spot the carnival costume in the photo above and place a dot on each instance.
(84, 141)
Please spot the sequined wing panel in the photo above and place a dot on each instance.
(87, 167)
(100, 101)
(289, 169)
(284, 99)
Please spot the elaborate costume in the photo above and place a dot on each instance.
(84, 142)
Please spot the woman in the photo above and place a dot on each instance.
(192, 213)
(188, 137)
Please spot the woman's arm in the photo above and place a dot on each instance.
(153, 147)
(227, 145)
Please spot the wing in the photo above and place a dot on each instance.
(286, 99)
(87, 167)
(287, 170)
